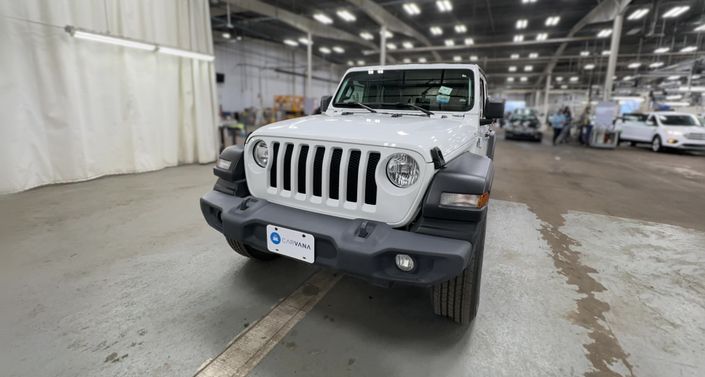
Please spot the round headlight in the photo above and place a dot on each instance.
(402, 170)
(261, 153)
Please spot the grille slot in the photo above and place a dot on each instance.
(303, 157)
(318, 171)
(335, 173)
(695, 136)
(353, 166)
(273, 169)
(287, 166)
(370, 181)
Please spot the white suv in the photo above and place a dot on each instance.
(663, 130)
(390, 183)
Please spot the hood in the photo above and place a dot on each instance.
(684, 129)
(417, 133)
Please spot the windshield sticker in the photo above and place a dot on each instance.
(445, 90)
(442, 99)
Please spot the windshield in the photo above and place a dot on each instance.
(678, 120)
(523, 115)
(431, 89)
(634, 117)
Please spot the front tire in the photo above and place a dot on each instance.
(656, 145)
(248, 251)
(459, 298)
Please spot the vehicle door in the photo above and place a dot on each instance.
(646, 130)
(628, 124)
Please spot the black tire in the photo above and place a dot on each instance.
(248, 251)
(459, 298)
(656, 144)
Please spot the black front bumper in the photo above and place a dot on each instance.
(340, 244)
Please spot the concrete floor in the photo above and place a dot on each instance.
(594, 266)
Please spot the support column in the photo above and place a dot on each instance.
(545, 95)
(309, 63)
(382, 45)
(614, 51)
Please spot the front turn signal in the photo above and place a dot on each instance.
(464, 200)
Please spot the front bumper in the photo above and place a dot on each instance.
(339, 243)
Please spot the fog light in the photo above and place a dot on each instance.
(404, 262)
(672, 141)
(223, 164)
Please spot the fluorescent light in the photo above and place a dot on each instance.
(522, 23)
(512, 68)
(514, 56)
(361, 62)
(350, 62)
(564, 86)
(604, 33)
(533, 55)
(392, 46)
(674, 77)
(559, 78)
(628, 78)
(444, 5)
(346, 15)
(435, 30)
(324, 50)
(656, 65)
(518, 38)
(339, 50)
(366, 36)
(661, 50)
(638, 14)
(700, 28)
(422, 60)
(185, 53)
(449, 42)
(574, 79)
(109, 39)
(411, 9)
(634, 65)
(388, 34)
(291, 42)
(469, 41)
(584, 53)
(676, 11)
(605, 52)
(304, 41)
(510, 79)
(689, 49)
(523, 79)
(699, 89)
(541, 37)
(528, 68)
(528, 1)
(695, 77)
(473, 58)
(407, 44)
(589, 66)
(460, 28)
(322, 18)
(457, 58)
(226, 35)
(407, 60)
(553, 21)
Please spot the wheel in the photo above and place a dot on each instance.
(458, 298)
(656, 144)
(248, 251)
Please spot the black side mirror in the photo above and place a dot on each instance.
(325, 101)
(494, 109)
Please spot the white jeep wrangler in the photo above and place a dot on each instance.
(390, 183)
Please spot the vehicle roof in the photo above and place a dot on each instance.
(414, 66)
(670, 113)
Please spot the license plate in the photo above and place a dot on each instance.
(292, 243)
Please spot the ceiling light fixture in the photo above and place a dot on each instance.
(510, 79)
(444, 5)
(449, 42)
(656, 65)
(291, 42)
(700, 28)
(541, 37)
(605, 52)
(524, 79)
(109, 39)
(407, 60)
(638, 14)
(662, 50)
(533, 55)
(360, 62)
(628, 78)
(322, 18)
(388, 34)
(460, 28)
(634, 65)
(528, 1)
(522, 23)
(422, 60)
(512, 68)
(553, 21)
(346, 15)
(185, 53)
(392, 46)
(324, 50)
(469, 41)
(411, 9)
(559, 78)
(366, 36)
(473, 58)
(457, 58)
(604, 33)
(514, 56)
(407, 44)
(226, 35)
(584, 53)
(589, 66)
(689, 49)
(674, 77)
(339, 50)
(518, 38)
(304, 41)
(436, 30)
(676, 11)
(528, 68)
(574, 79)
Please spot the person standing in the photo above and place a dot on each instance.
(557, 122)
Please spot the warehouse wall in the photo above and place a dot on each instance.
(252, 80)
(73, 109)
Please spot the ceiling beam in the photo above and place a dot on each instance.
(603, 12)
(304, 24)
(382, 17)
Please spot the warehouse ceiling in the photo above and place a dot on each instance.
(512, 40)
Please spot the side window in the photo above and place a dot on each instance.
(651, 120)
(483, 96)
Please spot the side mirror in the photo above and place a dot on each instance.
(494, 109)
(325, 101)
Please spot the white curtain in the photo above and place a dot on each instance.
(72, 109)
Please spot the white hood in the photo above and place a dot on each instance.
(418, 133)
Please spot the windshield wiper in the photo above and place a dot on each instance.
(364, 106)
(419, 108)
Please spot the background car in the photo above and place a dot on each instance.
(663, 130)
(523, 124)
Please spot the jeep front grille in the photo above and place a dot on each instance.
(346, 175)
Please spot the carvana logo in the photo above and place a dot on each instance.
(275, 237)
